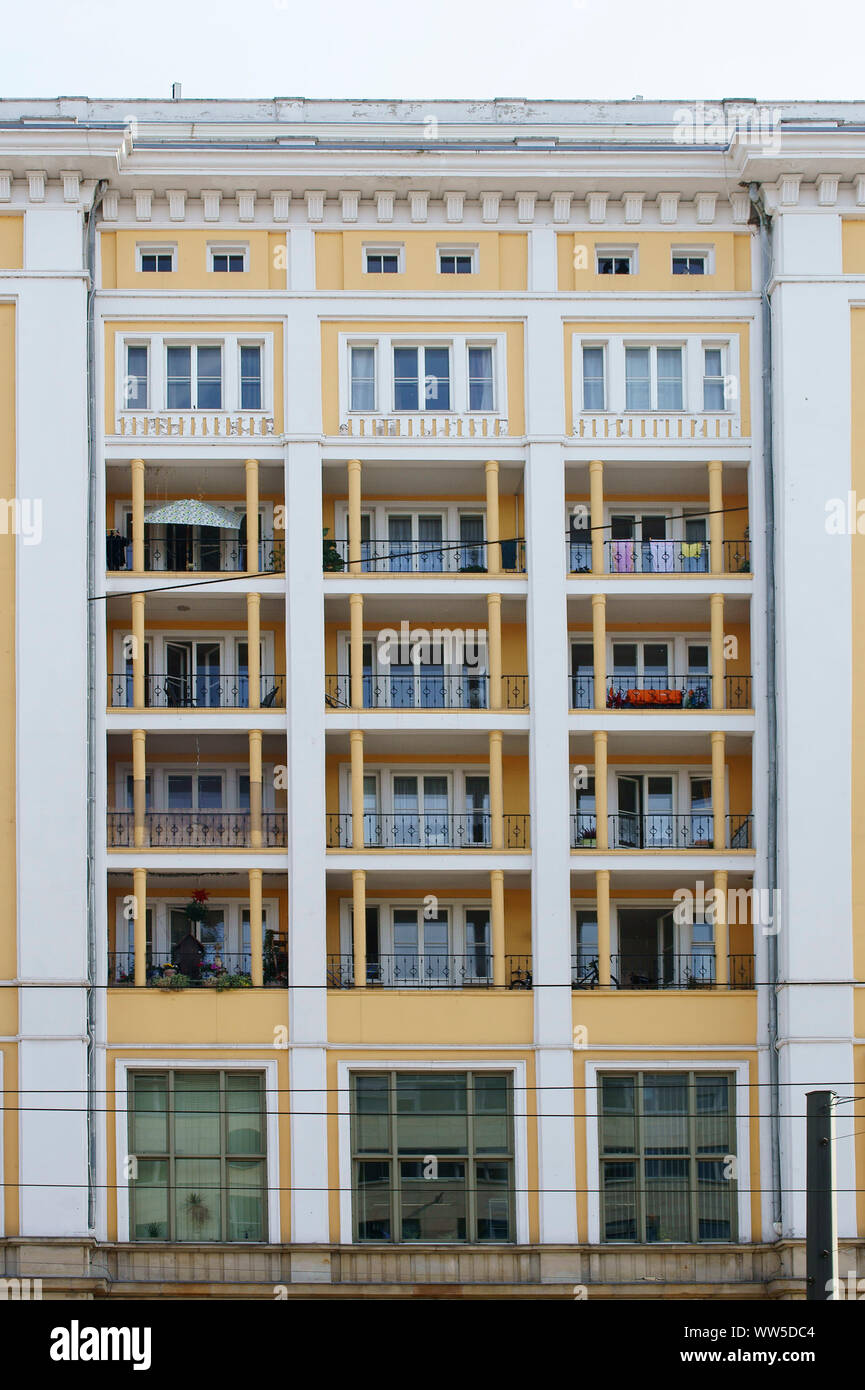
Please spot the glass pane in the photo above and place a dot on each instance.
(619, 1192)
(246, 1199)
(431, 1113)
(149, 1201)
(363, 378)
(179, 378)
(713, 1112)
(210, 792)
(244, 1118)
(196, 1113)
(480, 378)
(713, 395)
(135, 387)
(437, 389)
(250, 378)
(715, 1194)
(618, 1134)
(197, 1207)
(492, 1125)
(593, 378)
(492, 1182)
(665, 1113)
(405, 382)
(668, 1201)
(150, 1111)
(371, 1117)
(434, 1208)
(372, 1193)
(669, 378)
(209, 392)
(638, 395)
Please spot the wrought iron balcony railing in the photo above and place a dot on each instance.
(426, 830)
(424, 691)
(693, 830)
(199, 556)
(666, 690)
(221, 970)
(430, 970)
(195, 692)
(386, 556)
(695, 970)
(196, 829)
(658, 557)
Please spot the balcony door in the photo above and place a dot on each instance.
(421, 811)
(193, 674)
(647, 944)
(478, 966)
(211, 934)
(582, 675)
(471, 552)
(242, 682)
(477, 817)
(640, 543)
(421, 947)
(695, 551)
(645, 812)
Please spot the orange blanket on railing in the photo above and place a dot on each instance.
(654, 697)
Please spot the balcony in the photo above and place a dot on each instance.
(431, 831)
(690, 971)
(424, 425)
(664, 830)
(197, 424)
(197, 555)
(196, 830)
(655, 427)
(385, 556)
(203, 691)
(223, 971)
(659, 557)
(422, 691)
(664, 691)
(431, 971)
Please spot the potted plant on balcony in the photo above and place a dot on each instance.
(587, 837)
(330, 557)
(196, 910)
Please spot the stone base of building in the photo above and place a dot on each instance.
(87, 1269)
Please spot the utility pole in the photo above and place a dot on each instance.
(821, 1227)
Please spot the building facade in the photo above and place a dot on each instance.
(432, 715)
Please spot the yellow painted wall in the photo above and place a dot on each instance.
(502, 261)
(654, 261)
(330, 359)
(266, 270)
(661, 328)
(116, 330)
(11, 244)
(853, 249)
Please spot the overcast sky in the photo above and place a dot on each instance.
(434, 48)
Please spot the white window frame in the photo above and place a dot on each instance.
(161, 908)
(693, 346)
(383, 248)
(156, 249)
(675, 345)
(227, 248)
(124, 1065)
(376, 375)
(454, 250)
(458, 343)
(456, 909)
(705, 252)
(617, 251)
(455, 774)
(229, 772)
(699, 1062)
(226, 640)
(157, 386)
(460, 1063)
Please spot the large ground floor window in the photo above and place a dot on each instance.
(198, 1140)
(432, 1156)
(667, 1156)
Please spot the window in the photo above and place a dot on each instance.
(193, 378)
(421, 378)
(593, 378)
(228, 258)
(382, 260)
(481, 378)
(714, 392)
(432, 1157)
(665, 1143)
(250, 378)
(199, 1141)
(653, 378)
(156, 258)
(690, 263)
(135, 381)
(362, 378)
(612, 261)
(586, 958)
(456, 262)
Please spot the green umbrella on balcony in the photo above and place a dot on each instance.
(191, 512)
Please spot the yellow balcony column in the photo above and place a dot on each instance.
(716, 639)
(252, 516)
(358, 926)
(722, 933)
(719, 838)
(256, 929)
(253, 648)
(354, 545)
(494, 645)
(139, 787)
(138, 651)
(355, 654)
(716, 517)
(255, 789)
(139, 924)
(602, 837)
(137, 466)
(596, 514)
(494, 549)
(356, 744)
(599, 648)
(497, 796)
(602, 899)
(497, 925)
